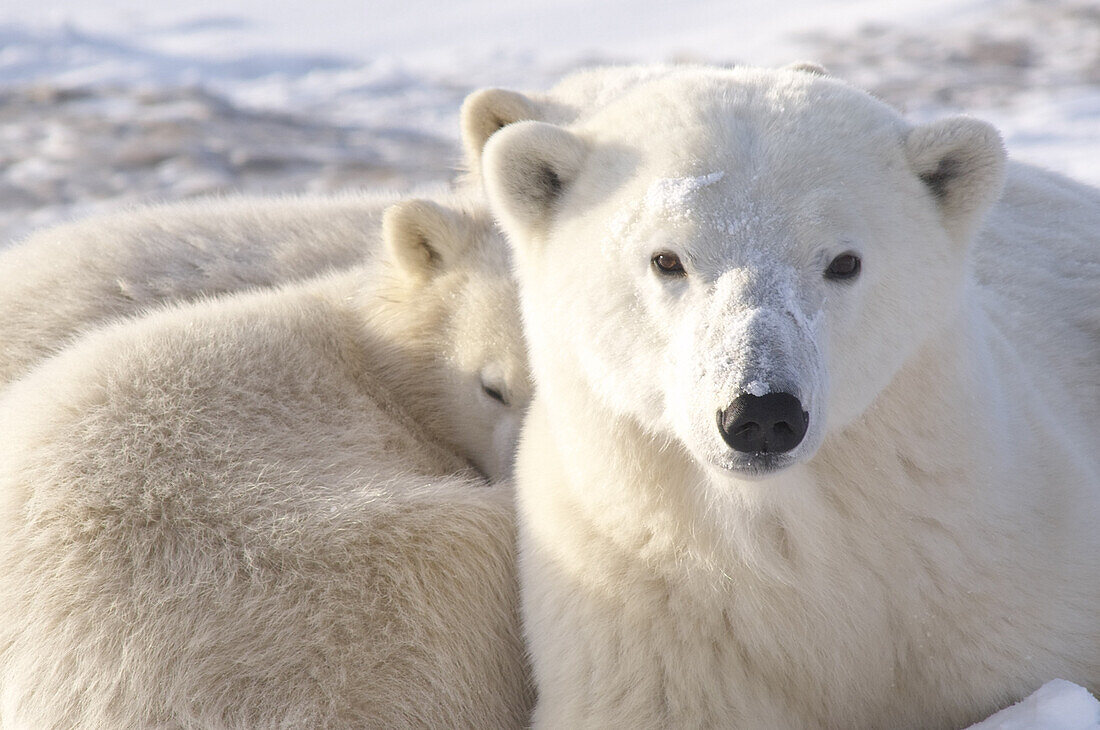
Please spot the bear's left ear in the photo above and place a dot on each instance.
(528, 167)
(424, 237)
(961, 162)
(486, 111)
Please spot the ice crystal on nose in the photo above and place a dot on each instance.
(757, 388)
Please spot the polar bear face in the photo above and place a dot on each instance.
(456, 305)
(739, 260)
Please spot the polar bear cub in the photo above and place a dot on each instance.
(67, 279)
(265, 510)
(818, 446)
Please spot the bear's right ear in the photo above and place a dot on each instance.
(528, 167)
(487, 111)
(424, 237)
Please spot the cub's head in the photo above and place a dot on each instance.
(738, 260)
(449, 301)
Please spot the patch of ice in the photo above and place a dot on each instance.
(1057, 705)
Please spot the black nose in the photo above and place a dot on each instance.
(767, 424)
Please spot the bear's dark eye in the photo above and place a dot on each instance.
(844, 266)
(494, 394)
(668, 264)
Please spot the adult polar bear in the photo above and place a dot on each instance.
(68, 279)
(258, 511)
(801, 453)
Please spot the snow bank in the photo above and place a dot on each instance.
(1057, 705)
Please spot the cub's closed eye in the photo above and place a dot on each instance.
(667, 263)
(494, 394)
(845, 266)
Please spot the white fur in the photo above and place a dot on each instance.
(68, 279)
(927, 554)
(259, 511)
(486, 111)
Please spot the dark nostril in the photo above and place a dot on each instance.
(773, 423)
(750, 430)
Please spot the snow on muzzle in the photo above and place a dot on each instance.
(767, 369)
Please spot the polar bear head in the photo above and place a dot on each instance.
(449, 298)
(739, 260)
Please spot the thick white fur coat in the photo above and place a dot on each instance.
(262, 511)
(69, 279)
(926, 554)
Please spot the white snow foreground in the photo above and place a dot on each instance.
(1057, 705)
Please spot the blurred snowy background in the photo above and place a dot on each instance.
(106, 103)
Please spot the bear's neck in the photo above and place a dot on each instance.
(397, 363)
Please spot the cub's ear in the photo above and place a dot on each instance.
(424, 237)
(808, 67)
(528, 167)
(961, 162)
(486, 111)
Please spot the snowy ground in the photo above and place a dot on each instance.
(111, 102)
